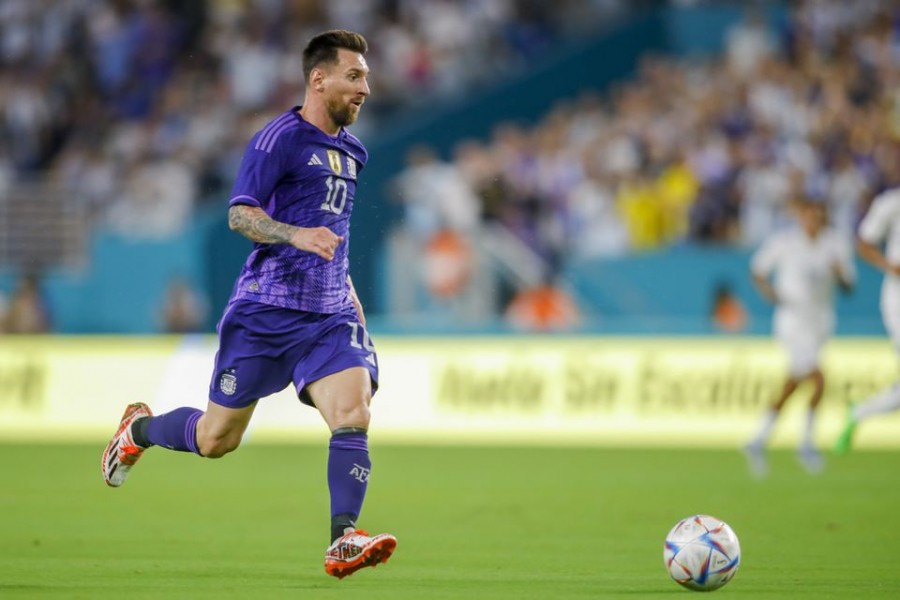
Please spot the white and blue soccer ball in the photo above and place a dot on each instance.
(702, 553)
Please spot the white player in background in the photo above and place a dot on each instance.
(880, 228)
(797, 269)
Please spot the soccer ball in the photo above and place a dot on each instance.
(702, 553)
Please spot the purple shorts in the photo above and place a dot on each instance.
(262, 349)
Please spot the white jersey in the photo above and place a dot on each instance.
(804, 283)
(804, 267)
(882, 225)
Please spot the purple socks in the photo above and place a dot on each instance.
(348, 477)
(176, 430)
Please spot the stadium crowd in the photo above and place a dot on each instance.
(141, 108)
(692, 151)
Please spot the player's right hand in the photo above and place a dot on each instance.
(318, 240)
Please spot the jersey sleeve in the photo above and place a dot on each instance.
(259, 173)
(765, 259)
(844, 257)
(875, 225)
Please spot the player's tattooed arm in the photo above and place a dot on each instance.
(253, 223)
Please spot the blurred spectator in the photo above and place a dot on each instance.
(596, 227)
(447, 264)
(546, 307)
(847, 189)
(727, 313)
(252, 63)
(184, 309)
(749, 42)
(481, 170)
(435, 196)
(26, 310)
(156, 200)
(764, 188)
(642, 208)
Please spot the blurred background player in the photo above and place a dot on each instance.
(293, 315)
(880, 227)
(796, 270)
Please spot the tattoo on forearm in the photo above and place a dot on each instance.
(256, 225)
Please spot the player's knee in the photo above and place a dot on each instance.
(355, 415)
(218, 447)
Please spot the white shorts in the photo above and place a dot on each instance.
(803, 336)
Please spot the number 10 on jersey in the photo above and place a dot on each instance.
(336, 197)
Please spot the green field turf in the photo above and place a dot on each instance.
(471, 522)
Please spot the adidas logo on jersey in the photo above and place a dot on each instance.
(315, 160)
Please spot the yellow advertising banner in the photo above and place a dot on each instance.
(536, 390)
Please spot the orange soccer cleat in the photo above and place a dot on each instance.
(356, 550)
(121, 452)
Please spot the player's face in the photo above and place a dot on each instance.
(346, 87)
(813, 217)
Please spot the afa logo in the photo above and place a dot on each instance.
(360, 473)
(228, 383)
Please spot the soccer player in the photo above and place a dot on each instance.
(806, 262)
(880, 228)
(294, 315)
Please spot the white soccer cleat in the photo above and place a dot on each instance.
(756, 459)
(811, 460)
(121, 452)
(356, 550)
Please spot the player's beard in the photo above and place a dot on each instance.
(341, 114)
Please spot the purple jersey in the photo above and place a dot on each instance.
(301, 176)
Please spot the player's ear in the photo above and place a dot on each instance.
(317, 79)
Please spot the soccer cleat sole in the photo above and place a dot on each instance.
(376, 554)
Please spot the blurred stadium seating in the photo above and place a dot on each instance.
(628, 154)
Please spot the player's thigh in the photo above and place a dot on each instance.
(223, 422)
(343, 398)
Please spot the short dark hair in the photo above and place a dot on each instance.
(323, 48)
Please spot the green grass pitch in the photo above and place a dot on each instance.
(486, 522)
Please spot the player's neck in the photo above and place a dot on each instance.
(317, 115)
